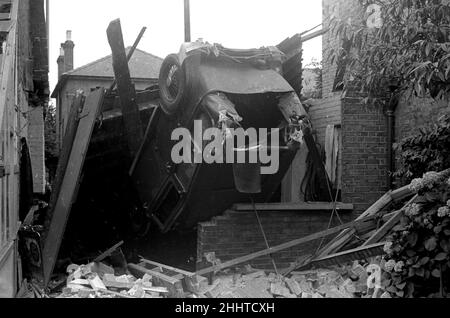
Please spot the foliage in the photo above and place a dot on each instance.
(429, 150)
(417, 262)
(411, 48)
(316, 68)
(51, 148)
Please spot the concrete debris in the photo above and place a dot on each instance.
(98, 280)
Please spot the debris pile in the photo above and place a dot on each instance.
(353, 281)
(98, 280)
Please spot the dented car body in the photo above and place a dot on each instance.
(219, 92)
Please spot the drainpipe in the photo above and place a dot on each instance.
(390, 114)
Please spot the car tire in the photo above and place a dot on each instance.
(172, 84)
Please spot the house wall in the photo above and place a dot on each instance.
(362, 153)
(24, 85)
(324, 112)
(364, 129)
(237, 234)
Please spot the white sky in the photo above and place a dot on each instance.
(232, 23)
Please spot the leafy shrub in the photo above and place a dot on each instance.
(427, 151)
(417, 255)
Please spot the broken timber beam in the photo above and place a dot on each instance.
(359, 253)
(107, 253)
(167, 267)
(161, 276)
(281, 247)
(125, 88)
(378, 235)
(63, 161)
(396, 217)
(392, 196)
(343, 238)
(130, 53)
(174, 285)
(305, 206)
(71, 181)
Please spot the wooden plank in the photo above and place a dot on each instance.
(68, 139)
(150, 127)
(313, 206)
(359, 253)
(401, 193)
(378, 206)
(170, 268)
(285, 246)
(130, 53)
(108, 252)
(380, 234)
(173, 285)
(342, 241)
(162, 276)
(125, 88)
(381, 203)
(69, 187)
(339, 241)
(314, 35)
(395, 218)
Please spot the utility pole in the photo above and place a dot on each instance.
(47, 25)
(187, 21)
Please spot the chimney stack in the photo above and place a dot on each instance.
(68, 52)
(60, 61)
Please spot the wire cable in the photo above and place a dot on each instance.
(264, 234)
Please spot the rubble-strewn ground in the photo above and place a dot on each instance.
(98, 280)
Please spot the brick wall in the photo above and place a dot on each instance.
(38, 38)
(364, 151)
(325, 112)
(343, 9)
(36, 145)
(237, 234)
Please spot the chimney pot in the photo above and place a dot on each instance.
(69, 35)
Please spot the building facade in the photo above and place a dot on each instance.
(362, 162)
(23, 98)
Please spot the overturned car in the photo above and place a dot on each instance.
(207, 88)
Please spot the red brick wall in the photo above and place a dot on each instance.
(237, 234)
(364, 151)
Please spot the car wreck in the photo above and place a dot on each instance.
(123, 141)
